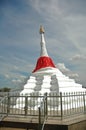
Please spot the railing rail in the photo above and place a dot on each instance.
(54, 104)
(3, 111)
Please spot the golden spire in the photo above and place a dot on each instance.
(41, 29)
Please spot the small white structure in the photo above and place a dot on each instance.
(47, 78)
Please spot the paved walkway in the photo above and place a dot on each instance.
(68, 120)
(51, 120)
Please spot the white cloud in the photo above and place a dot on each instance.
(62, 67)
(50, 7)
(16, 81)
(73, 75)
(67, 71)
(16, 67)
(75, 31)
(7, 76)
(78, 57)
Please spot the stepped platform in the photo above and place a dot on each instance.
(75, 122)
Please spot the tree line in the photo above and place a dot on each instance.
(5, 89)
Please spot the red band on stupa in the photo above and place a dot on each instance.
(44, 62)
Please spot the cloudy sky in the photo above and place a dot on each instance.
(65, 34)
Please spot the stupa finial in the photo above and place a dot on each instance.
(44, 60)
(41, 30)
(43, 43)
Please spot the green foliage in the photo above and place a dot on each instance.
(5, 89)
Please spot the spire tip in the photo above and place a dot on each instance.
(41, 29)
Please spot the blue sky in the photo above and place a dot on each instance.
(65, 34)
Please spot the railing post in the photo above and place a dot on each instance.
(84, 102)
(8, 104)
(39, 120)
(26, 105)
(45, 106)
(61, 105)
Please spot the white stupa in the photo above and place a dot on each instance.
(46, 77)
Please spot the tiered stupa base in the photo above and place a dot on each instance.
(50, 81)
